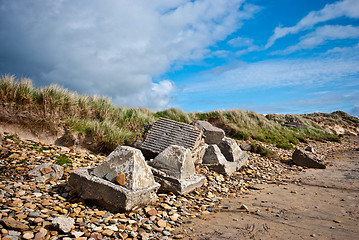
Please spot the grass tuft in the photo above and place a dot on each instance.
(97, 118)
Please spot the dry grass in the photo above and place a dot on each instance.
(96, 117)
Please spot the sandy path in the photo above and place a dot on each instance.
(324, 206)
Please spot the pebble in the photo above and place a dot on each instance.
(28, 235)
(32, 207)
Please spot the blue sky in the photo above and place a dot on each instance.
(282, 56)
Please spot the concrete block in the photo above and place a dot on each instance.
(215, 160)
(232, 152)
(175, 171)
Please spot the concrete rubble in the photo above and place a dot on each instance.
(166, 132)
(46, 171)
(307, 159)
(175, 171)
(213, 135)
(232, 152)
(51, 199)
(122, 181)
(216, 161)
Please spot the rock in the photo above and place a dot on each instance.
(309, 149)
(243, 207)
(215, 160)
(33, 214)
(232, 152)
(13, 224)
(175, 171)
(213, 135)
(46, 171)
(161, 223)
(306, 159)
(28, 235)
(246, 146)
(121, 179)
(139, 188)
(39, 235)
(64, 224)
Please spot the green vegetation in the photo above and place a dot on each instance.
(95, 117)
(62, 160)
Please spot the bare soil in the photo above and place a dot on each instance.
(324, 205)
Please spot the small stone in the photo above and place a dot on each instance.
(235, 219)
(337, 221)
(178, 236)
(39, 235)
(28, 235)
(161, 223)
(152, 212)
(65, 224)
(121, 179)
(174, 217)
(46, 170)
(13, 224)
(107, 232)
(33, 214)
(244, 208)
(77, 234)
(166, 233)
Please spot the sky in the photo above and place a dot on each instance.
(279, 56)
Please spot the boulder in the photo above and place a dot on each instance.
(306, 159)
(174, 169)
(215, 160)
(213, 135)
(138, 187)
(46, 171)
(232, 152)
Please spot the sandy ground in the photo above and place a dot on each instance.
(324, 206)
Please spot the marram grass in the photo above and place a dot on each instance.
(98, 118)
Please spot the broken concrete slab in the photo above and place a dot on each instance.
(175, 161)
(129, 161)
(232, 152)
(306, 159)
(215, 160)
(213, 135)
(110, 195)
(166, 132)
(46, 171)
(174, 169)
(137, 188)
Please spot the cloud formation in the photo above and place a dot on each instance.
(345, 8)
(313, 72)
(112, 48)
(321, 35)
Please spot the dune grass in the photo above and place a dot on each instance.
(98, 118)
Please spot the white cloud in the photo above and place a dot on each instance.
(321, 35)
(313, 72)
(113, 48)
(346, 8)
(241, 42)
